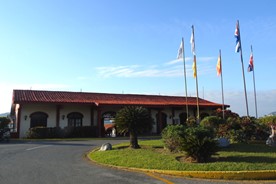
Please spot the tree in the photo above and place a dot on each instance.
(133, 120)
(4, 122)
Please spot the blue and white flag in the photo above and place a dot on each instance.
(238, 39)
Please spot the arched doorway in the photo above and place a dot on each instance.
(161, 121)
(38, 119)
(74, 119)
(108, 122)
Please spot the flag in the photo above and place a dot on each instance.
(238, 39)
(194, 67)
(219, 66)
(250, 66)
(180, 50)
(192, 41)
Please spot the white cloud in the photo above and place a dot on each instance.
(168, 69)
(188, 59)
(138, 71)
(177, 61)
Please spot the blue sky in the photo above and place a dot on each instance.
(130, 47)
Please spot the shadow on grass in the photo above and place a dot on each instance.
(249, 148)
(234, 159)
(247, 159)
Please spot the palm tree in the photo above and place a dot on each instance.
(134, 120)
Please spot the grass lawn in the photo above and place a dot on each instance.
(237, 157)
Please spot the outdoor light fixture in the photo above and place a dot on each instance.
(25, 117)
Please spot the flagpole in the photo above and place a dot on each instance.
(255, 96)
(197, 102)
(244, 84)
(184, 63)
(221, 78)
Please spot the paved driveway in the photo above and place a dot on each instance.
(64, 162)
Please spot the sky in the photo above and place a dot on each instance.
(131, 47)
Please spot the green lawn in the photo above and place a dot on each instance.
(237, 157)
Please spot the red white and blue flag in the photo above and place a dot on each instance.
(251, 65)
(238, 39)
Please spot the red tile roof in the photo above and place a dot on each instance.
(61, 97)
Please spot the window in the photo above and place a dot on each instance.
(38, 119)
(75, 119)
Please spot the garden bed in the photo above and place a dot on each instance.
(237, 157)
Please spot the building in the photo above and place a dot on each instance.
(31, 108)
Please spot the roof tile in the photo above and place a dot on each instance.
(34, 96)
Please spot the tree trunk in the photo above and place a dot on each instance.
(133, 140)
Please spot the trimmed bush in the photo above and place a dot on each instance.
(57, 132)
(84, 131)
(212, 122)
(199, 144)
(172, 137)
(43, 132)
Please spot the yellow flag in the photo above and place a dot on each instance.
(219, 66)
(194, 67)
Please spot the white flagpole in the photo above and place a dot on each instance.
(255, 96)
(222, 93)
(184, 63)
(195, 71)
(244, 84)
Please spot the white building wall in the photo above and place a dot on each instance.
(28, 109)
(85, 110)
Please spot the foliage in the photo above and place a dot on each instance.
(83, 131)
(57, 132)
(4, 122)
(43, 132)
(242, 129)
(172, 137)
(191, 122)
(267, 120)
(199, 144)
(134, 120)
(227, 114)
(211, 122)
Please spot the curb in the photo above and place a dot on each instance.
(227, 175)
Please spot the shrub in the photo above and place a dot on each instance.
(199, 144)
(267, 120)
(44, 132)
(211, 122)
(227, 114)
(57, 132)
(172, 137)
(84, 131)
(191, 122)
